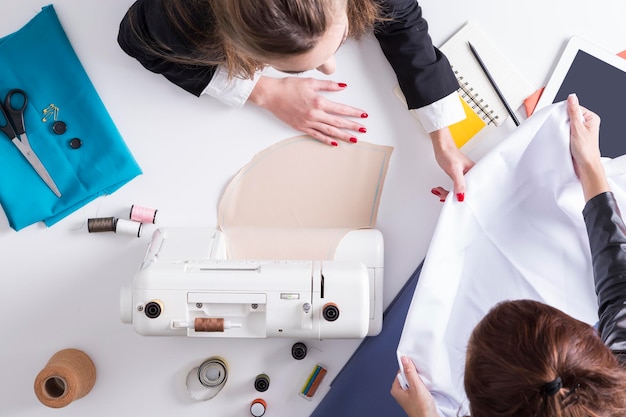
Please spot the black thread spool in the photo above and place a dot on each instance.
(101, 224)
(298, 350)
(261, 382)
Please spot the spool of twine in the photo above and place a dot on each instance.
(69, 375)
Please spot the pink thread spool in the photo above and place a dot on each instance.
(143, 214)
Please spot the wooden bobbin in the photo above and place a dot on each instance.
(68, 376)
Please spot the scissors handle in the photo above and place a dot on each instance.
(13, 112)
(5, 125)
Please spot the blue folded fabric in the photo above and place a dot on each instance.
(362, 387)
(40, 60)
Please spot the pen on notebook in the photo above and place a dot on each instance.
(493, 83)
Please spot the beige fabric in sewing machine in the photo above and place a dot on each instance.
(297, 198)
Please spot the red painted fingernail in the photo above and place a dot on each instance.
(354, 140)
(435, 191)
(334, 143)
(460, 196)
(442, 200)
(362, 130)
(364, 115)
(342, 85)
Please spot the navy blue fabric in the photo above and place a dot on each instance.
(362, 387)
(39, 59)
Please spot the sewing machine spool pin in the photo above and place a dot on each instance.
(206, 324)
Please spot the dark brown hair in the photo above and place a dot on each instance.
(521, 346)
(241, 33)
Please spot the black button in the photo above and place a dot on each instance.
(59, 127)
(75, 143)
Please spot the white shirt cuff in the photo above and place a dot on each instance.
(442, 113)
(233, 92)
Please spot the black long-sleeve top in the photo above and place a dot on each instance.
(607, 239)
(423, 72)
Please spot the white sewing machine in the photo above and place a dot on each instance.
(186, 286)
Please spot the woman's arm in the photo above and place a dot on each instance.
(294, 100)
(426, 80)
(424, 73)
(585, 149)
(146, 25)
(607, 240)
(605, 227)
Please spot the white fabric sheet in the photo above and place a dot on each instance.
(519, 234)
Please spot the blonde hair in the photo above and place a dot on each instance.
(240, 34)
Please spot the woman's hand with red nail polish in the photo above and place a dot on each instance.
(454, 162)
(441, 193)
(298, 103)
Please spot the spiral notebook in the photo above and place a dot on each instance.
(482, 105)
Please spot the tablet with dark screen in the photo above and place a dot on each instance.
(598, 78)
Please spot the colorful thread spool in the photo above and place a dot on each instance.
(143, 214)
(313, 382)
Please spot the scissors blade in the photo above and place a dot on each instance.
(34, 161)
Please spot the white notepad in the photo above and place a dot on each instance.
(475, 88)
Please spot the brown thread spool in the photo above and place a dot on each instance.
(202, 324)
(101, 224)
(68, 376)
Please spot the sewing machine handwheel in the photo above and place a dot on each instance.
(330, 312)
(153, 309)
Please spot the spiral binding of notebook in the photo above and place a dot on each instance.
(464, 130)
(476, 103)
(475, 87)
(480, 101)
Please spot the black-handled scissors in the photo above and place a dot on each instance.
(12, 125)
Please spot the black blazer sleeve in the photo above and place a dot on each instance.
(423, 72)
(607, 240)
(147, 19)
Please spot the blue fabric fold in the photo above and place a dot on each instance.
(362, 387)
(39, 59)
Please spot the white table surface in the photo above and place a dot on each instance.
(60, 285)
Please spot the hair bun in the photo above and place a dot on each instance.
(551, 388)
